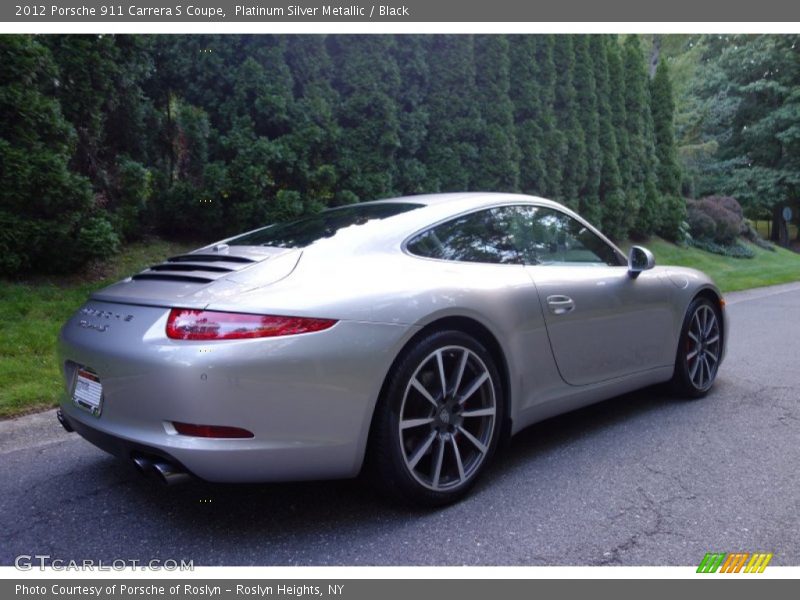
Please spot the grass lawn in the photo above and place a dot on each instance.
(731, 274)
(33, 311)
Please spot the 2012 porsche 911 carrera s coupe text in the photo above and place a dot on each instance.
(406, 336)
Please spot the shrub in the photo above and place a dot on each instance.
(701, 225)
(133, 190)
(96, 239)
(733, 250)
(715, 219)
(749, 233)
(672, 219)
(46, 210)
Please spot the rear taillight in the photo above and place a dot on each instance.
(212, 431)
(203, 325)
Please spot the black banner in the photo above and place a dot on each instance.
(112, 11)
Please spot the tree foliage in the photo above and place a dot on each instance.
(740, 121)
(115, 136)
(48, 220)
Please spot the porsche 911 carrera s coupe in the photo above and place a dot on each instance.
(404, 336)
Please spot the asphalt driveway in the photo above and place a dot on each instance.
(643, 479)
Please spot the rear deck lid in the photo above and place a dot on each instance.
(209, 274)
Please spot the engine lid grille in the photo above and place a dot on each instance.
(194, 268)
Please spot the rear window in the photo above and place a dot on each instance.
(306, 231)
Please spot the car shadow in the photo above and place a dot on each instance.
(305, 506)
(325, 522)
(565, 429)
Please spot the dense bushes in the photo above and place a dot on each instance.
(715, 218)
(48, 222)
(106, 138)
(717, 222)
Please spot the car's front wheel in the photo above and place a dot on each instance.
(699, 349)
(438, 423)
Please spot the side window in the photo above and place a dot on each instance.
(485, 236)
(521, 234)
(550, 237)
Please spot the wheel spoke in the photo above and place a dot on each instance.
(421, 450)
(459, 464)
(460, 372)
(692, 337)
(708, 369)
(711, 322)
(437, 471)
(409, 423)
(693, 370)
(702, 368)
(442, 378)
(480, 412)
(691, 355)
(415, 383)
(474, 387)
(475, 441)
(712, 356)
(713, 340)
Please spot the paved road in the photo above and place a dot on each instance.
(643, 479)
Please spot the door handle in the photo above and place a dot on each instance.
(560, 305)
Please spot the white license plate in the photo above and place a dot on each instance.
(88, 392)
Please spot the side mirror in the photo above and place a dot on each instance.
(639, 259)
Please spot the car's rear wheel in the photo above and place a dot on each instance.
(438, 424)
(699, 349)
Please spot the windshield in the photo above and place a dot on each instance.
(306, 231)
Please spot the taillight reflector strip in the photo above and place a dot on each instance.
(212, 431)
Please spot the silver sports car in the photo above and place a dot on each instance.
(405, 336)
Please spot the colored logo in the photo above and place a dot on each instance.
(738, 562)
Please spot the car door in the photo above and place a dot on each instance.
(602, 323)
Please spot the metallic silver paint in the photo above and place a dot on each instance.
(309, 399)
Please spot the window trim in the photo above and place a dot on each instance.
(563, 210)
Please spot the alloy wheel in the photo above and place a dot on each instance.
(703, 347)
(447, 418)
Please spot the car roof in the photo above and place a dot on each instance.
(465, 200)
(390, 232)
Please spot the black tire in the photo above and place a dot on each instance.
(699, 349)
(459, 444)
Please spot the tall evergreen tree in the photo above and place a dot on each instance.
(412, 60)
(257, 147)
(497, 168)
(47, 218)
(586, 100)
(316, 131)
(612, 198)
(527, 97)
(619, 216)
(642, 187)
(451, 151)
(574, 166)
(663, 110)
(100, 93)
(668, 169)
(367, 80)
(554, 141)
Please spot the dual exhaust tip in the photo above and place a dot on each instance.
(165, 472)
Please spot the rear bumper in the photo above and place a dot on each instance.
(308, 399)
(117, 446)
